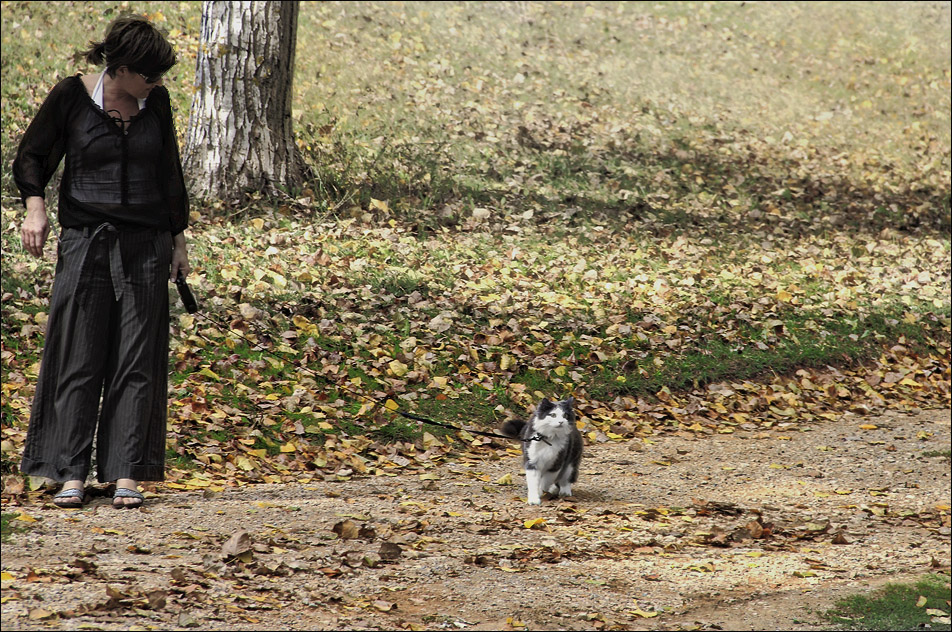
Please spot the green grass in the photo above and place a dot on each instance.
(7, 522)
(895, 607)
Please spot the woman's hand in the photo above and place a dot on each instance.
(36, 226)
(179, 257)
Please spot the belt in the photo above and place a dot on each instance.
(116, 271)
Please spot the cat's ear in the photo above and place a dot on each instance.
(545, 406)
(570, 401)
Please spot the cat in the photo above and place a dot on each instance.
(551, 448)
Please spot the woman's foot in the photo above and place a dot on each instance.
(71, 496)
(127, 494)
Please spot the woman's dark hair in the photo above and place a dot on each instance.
(131, 40)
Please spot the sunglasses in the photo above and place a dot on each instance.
(152, 78)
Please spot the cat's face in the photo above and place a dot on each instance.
(554, 418)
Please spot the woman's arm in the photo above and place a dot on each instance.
(179, 257)
(36, 226)
(39, 154)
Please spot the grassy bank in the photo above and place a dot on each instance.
(700, 217)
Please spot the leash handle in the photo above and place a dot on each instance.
(188, 299)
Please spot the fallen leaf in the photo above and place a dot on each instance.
(40, 614)
(238, 544)
(390, 551)
(347, 530)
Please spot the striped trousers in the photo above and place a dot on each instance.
(105, 359)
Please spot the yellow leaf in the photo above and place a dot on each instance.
(25, 518)
(922, 601)
(505, 479)
(391, 405)
(258, 223)
(398, 368)
(279, 280)
(429, 441)
(643, 614)
(869, 426)
(289, 447)
(5, 576)
(784, 296)
(244, 464)
(535, 523)
(209, 373)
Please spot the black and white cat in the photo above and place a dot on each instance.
(551, 448)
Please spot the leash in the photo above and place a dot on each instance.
(192, 308)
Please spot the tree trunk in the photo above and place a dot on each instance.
(239, 135)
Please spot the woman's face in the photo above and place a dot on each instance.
(136, 84)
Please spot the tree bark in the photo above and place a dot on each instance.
(240, 137)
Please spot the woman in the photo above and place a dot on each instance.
(123, 208)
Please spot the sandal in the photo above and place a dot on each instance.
(124, 492)
(71, 498)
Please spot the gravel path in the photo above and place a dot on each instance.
(747, 531)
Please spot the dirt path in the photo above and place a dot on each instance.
(746, 531)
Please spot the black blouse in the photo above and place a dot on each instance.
(130, 176)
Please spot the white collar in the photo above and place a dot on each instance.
(97, 93)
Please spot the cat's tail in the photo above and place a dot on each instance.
(513, 428)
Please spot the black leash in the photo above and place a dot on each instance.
(192, 307)
(442, 425)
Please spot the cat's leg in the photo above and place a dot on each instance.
(533, 486)
(566, 477)
(550, 483)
